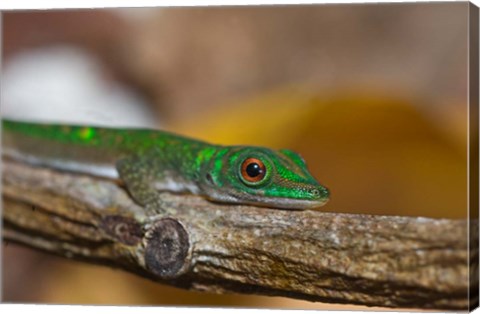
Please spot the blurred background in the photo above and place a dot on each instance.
(374, 97)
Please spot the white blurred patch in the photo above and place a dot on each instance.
(65, 85)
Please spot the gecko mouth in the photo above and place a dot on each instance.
(276, 202)
(233, 197)
(288, 203)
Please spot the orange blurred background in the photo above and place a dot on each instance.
(374, 97)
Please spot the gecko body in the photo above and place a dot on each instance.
(148, 161)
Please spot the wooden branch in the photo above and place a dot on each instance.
(358, 259)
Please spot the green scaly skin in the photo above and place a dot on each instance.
(148, 161)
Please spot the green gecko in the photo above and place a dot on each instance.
(149, 161)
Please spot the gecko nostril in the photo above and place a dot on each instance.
(320, 192)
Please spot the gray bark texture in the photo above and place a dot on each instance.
(385, 261)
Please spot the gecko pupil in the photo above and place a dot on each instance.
(254, 170)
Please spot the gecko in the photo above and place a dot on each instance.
(149, 161)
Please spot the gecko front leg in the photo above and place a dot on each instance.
(137, 174)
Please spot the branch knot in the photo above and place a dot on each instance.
(123, 229)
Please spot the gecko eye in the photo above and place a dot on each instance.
(253, 170)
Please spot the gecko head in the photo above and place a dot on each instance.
(265, 177)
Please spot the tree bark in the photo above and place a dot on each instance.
(386, 261)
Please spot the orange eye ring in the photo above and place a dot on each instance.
(253, 170)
